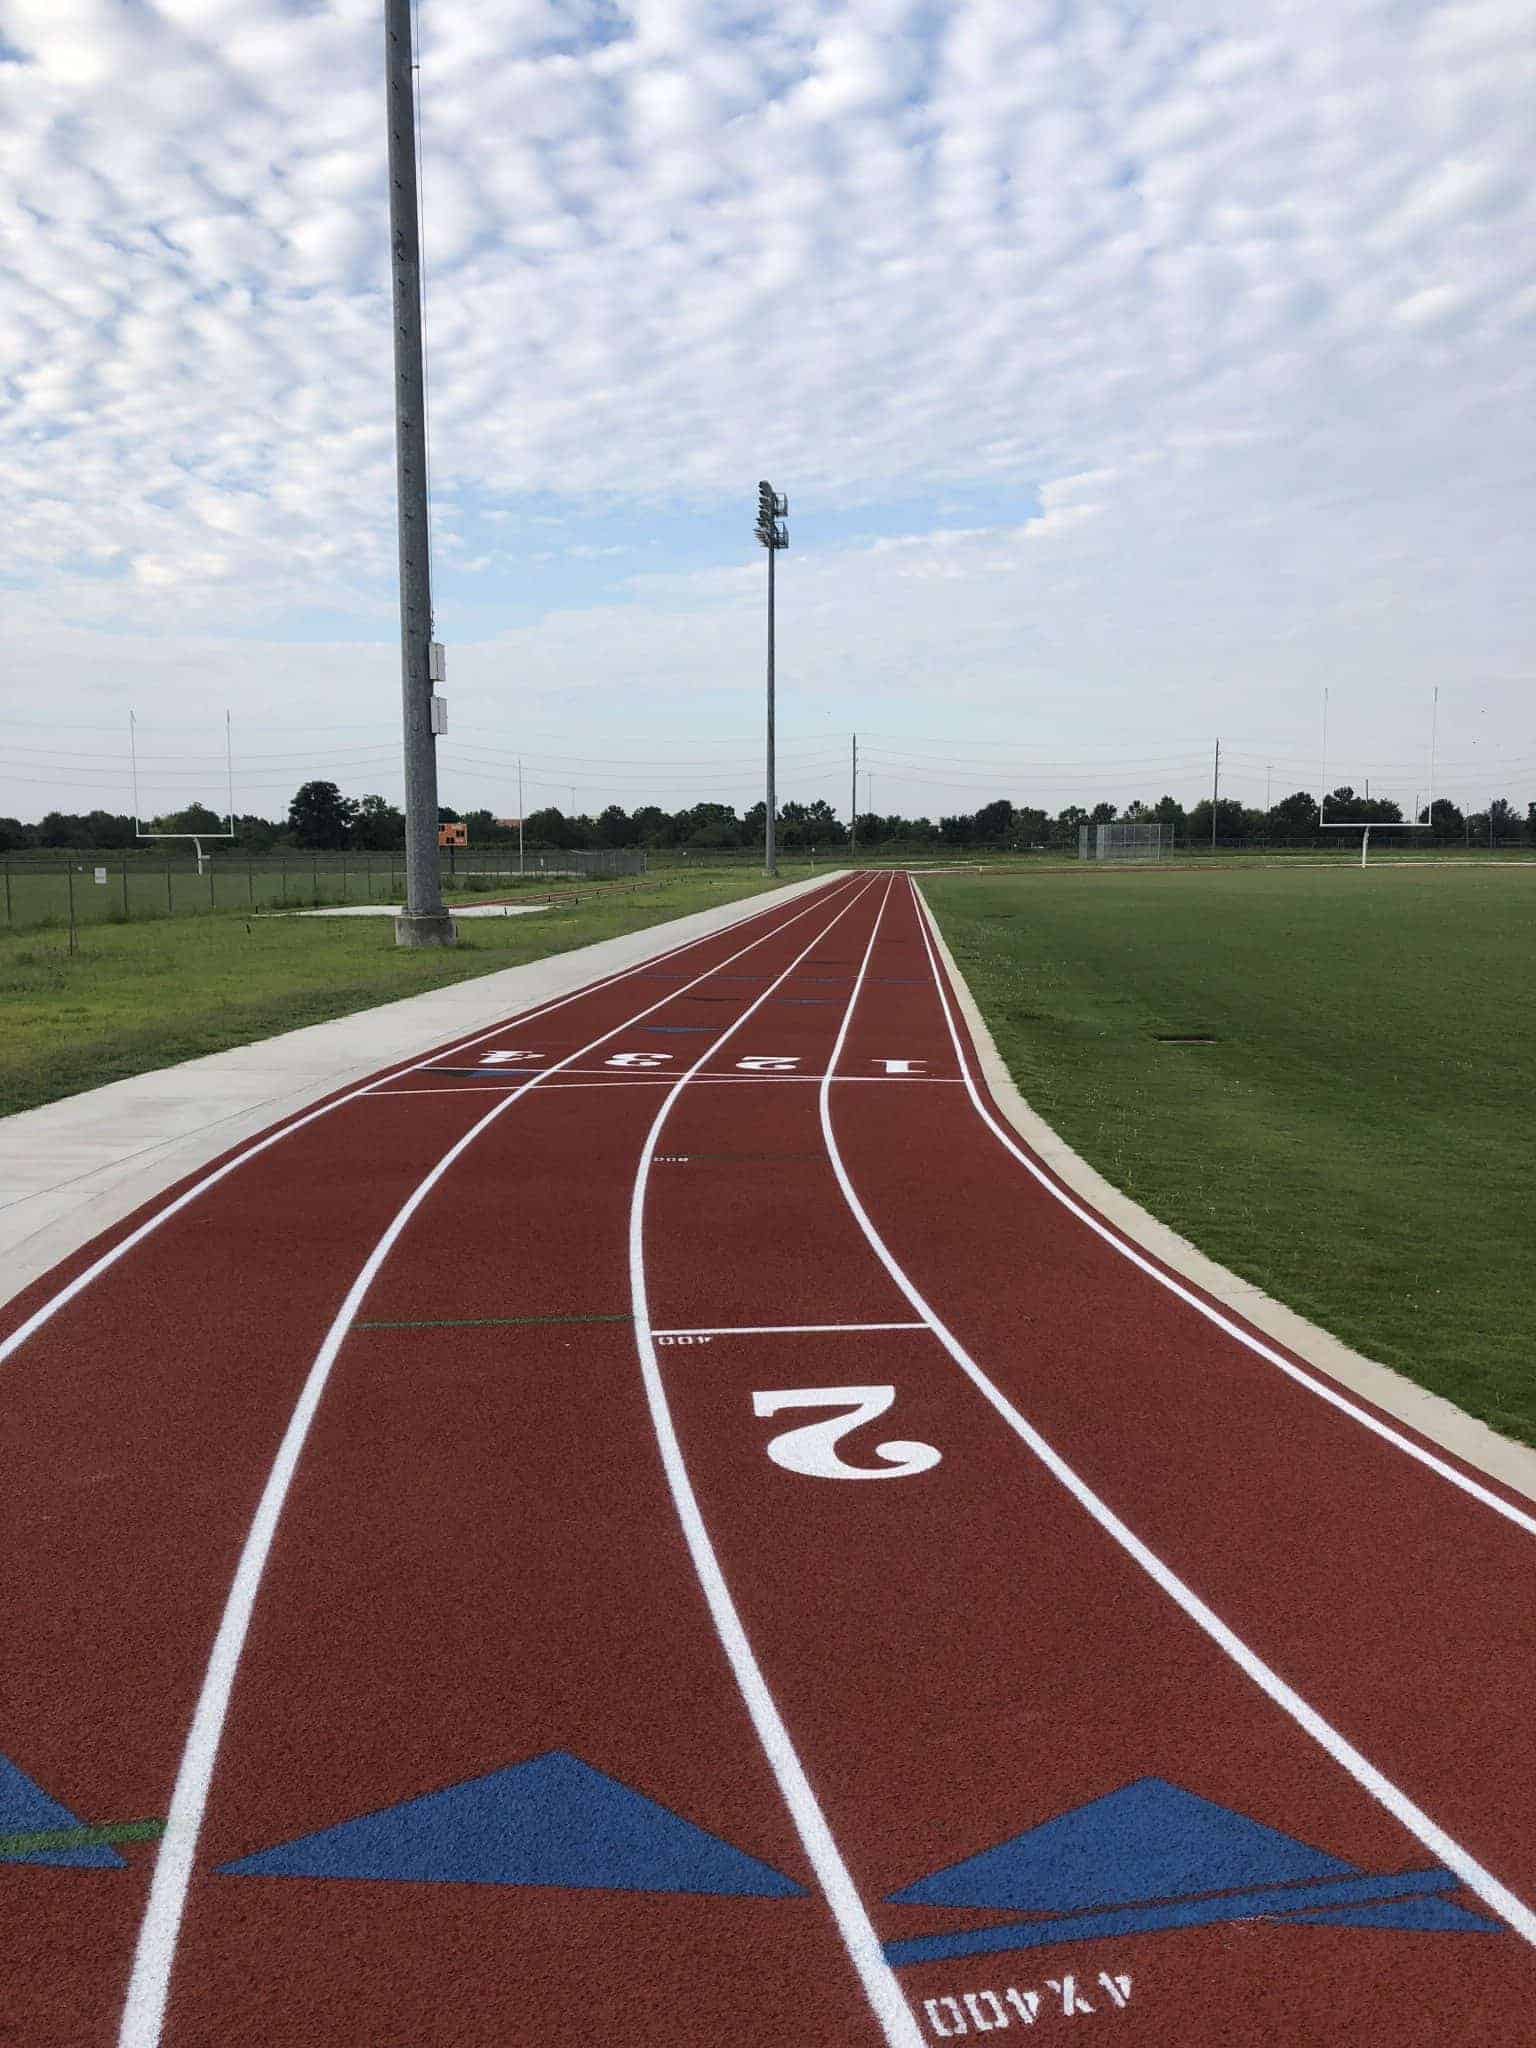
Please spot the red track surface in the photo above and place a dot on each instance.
(528, 1508)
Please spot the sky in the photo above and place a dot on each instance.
(1136, 375)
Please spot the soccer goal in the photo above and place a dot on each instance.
(1124, 839)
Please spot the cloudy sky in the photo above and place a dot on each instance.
(1135, 373)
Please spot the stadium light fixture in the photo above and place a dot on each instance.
(773, 534)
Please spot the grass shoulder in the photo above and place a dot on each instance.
(140, 996)
(1356, 1138)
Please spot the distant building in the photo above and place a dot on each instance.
(453, 835)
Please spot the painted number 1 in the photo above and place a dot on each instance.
(812, 1448)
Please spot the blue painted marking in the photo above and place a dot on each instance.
(551, 1821)
(1270, 1902)
(26, 1809)
(1149, 1840)
(1414, 1916)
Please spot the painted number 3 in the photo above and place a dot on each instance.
(812, 1448)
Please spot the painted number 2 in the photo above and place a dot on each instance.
(812, 1448)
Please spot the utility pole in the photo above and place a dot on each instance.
(424, 920)
(520, 814)
(853, 802)
(771, 510)
(1269, 773)
(1215, 788)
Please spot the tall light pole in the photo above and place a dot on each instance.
(771, 511)
(425, 920)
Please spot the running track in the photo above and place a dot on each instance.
(664, 1524)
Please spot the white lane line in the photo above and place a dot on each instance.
(700, 1081)
(881, 1988)
(160, 1930)
(84, 1279)
(783, 1329)
(1442, 1846)
(1332, 1395)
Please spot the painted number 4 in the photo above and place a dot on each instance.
(812, 1448)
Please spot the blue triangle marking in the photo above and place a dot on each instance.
(26, 1809)
(1149, 1840)
(552, 1821)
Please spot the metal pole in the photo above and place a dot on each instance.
(425, 920)
(1215, 787)
(520, 814)
(853, 802)
(69, 875)
(125, 885)
(770, 862)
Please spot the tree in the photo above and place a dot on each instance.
(615, 827)
(195, 818)
(993, 821)
(1292, 821)
(1170, 814)
(1235, 826)
(1530, 823)
(823, 827)
(957, 830)
(545, 828)
(378, 826)
(1446, 821)
(320, 816)
(1102, 814)
(1503, 822)
(1029, 827)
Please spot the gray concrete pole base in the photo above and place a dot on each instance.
(432, 928)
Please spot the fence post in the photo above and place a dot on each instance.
(212, 903)
(284, 882)
(250, 881)
(8, 891)
(127, 913)
(69, 876)
(170, 902)
(314, 877)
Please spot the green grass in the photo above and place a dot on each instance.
(140, 996)
(1361, 1137)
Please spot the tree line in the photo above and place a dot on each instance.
(321, 819)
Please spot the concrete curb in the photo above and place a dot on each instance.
(1430, 1415)
(72, 1169)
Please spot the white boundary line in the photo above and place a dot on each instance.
(881, 1988)
(1442, 1846)
(160, 1930)
(785, 1329)
(39, 1316)
(1084, 1215)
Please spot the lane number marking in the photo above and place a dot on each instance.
(501, 1059)
(991, 2012)
(812, 1448)
(638, 1059)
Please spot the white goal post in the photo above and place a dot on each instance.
(1368, 826)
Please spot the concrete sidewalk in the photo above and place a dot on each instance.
(73, 1168)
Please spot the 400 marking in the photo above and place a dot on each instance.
(993, 2012)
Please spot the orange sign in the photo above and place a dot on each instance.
(453, 835)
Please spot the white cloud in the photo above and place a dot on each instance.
(1239, 296)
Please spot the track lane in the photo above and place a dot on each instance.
(1080, 1677)
(340, 1528)
(149, 1402)
(1337, 1556)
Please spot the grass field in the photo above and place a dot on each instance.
(138, 996)
(1359, 1140)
